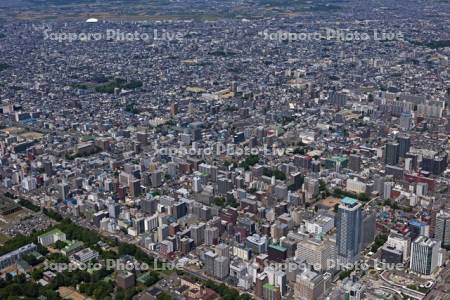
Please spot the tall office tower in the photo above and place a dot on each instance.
(221, 267)
(442, 232)
(417, 228)
(354, 163)
(310, 285)
(280, 280)
(108, 185)
(48, 167)
(234, 86)
(196, 130)
(113, 210)
(196, 185)
(261, 280)
(151, 222)
(163, 232)
(378, 182)
(271, 292)
(134, 188)
(316, 253)
(198, 233)
(142, 137)
(180, 209)
(405, 121)
(368, 228)
(224, 185)
(396, 248)
(223, 250)
(139, 225)
(211, 235)
(311, 187)
(348, 230)
(424, 255)
(149, 205)
(125, 178)
(63, 191)
(387, 190)
(174, 109)
(209, 259)
(156, 178)
(435, 164)
(414, 160)
(392, 153)
(404, 142)
(337, 99)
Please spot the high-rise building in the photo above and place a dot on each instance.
(310, 285)
(337, 99)
(405, 120)
(311, 186)
(209, 259)
(211, 235)
(223, 250)
(198, 233)
(442, 232)
(179, 209)
(392, 153)
(271, 292)
(156, 178)
(387, 190)
(149, 205)
(277, 253)
(196, 185)
(139, 225)
(354, 163)
(368, 228)
(48, 167)
(63, 191)
(261, 280)
(174, 109)
(424, 255)
(396, 248)
(257, 243)
(280, 280)
(135, 188)
(378, 184)
(316, 253)
(151, 222)
(435, 164)
(113, 210)
(348, 230)
(163, 232)
(404, 142)
(221, 267)
(417, 228)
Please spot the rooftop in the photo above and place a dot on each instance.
(349, 201)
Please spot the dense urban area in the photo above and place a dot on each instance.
(237, 150)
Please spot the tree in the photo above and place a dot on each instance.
(36, 274)
(249, 161)
(152, 279)
(60, 244)
(379, 241)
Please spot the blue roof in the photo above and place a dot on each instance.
(349, 201)
(416, 223)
